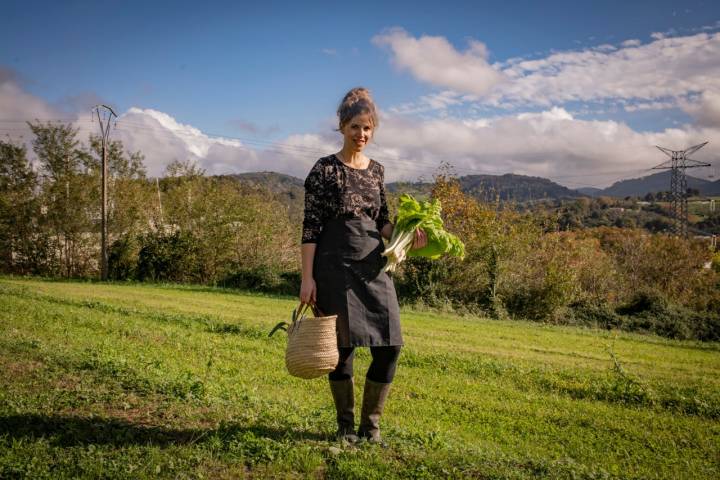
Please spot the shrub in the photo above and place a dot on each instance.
(123, 258)
(650, 311)
(592, 314)
(264, 279)
(420, 278)
(168, 257)
(644, 301)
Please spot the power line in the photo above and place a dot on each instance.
(270, 143)
(122, 123)
(285, 150)
(431, 167)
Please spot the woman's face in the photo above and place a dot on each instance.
(358, 132)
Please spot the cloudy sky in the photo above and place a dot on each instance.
(578, 92)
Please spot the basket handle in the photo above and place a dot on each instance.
(302, 309)
(296, 314)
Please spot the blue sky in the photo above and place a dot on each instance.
(275, 71)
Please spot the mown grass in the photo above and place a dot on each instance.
(118, 381)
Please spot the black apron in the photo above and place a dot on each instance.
(351, 284)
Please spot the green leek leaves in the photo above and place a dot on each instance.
(426, 215)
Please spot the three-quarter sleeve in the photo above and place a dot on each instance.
(383, 217)
(314, 203)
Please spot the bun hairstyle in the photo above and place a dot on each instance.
(357, 101)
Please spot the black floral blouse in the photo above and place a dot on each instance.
(334, 190)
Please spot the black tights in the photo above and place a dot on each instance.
(382, 368)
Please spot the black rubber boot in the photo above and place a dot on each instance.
(342, 392)
(373, 404)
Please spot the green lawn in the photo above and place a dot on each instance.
(138, 381)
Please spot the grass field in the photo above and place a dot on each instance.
(132, 381)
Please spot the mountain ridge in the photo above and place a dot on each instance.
(506, 187)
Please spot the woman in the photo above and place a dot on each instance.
(346, 216)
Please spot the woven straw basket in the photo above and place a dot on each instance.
(312, 344)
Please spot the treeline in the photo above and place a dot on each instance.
(583, 213)
(185, 227)
(188, 227)
(524, 265)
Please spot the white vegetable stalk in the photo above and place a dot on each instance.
(397, 249)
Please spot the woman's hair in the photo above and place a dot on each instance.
(357, 102)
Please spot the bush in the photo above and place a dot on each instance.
(164, 257)
(644, 302)
(649, 311)
(264, 279)
(536, 303)
(592, 314)
(123, 258)
(425, 280)
(707, 327)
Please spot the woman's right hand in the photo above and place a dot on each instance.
(308, 291)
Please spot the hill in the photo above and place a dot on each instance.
(286, 188)
(512, 187)
(508, 187)
(657, 182)
(590, 191)
(291, 187)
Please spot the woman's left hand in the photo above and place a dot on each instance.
(420, 239)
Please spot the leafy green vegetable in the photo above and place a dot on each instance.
(426, 215)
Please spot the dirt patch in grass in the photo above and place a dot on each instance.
(17, 369)
(67, 382)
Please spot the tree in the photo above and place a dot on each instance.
(21, 245)
(129, 192)
(234, 227)
(70, 195)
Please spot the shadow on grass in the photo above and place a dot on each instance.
(67, 431)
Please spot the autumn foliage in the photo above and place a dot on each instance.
(189, 227)
(522, 266)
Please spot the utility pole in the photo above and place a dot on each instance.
(107, 115)
(162, 224)
(678, 163)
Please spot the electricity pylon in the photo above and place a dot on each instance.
(678, 163)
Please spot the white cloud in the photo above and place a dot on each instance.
(196, 142)
(666, 68)
(15, 103)
(434, 60)
(550, 143)
(605, 47)
(17, 107)
(435, 101)
(162, 139)
(556, 113)
(705, 108)
(634, 107)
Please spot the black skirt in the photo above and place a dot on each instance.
(351, 284)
